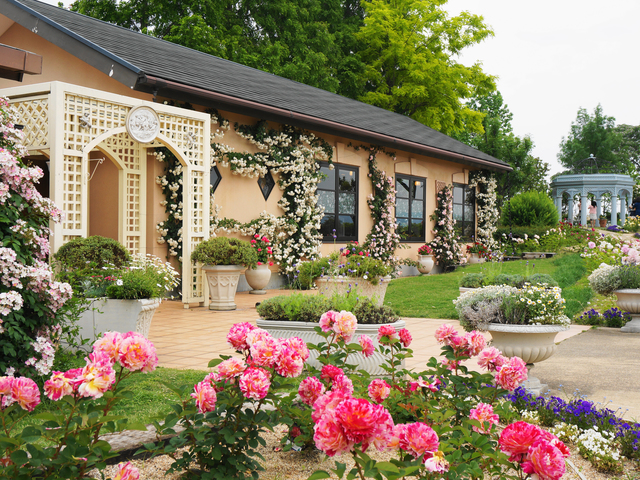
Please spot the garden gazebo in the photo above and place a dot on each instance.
(597, 184)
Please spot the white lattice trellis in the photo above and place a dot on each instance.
(67, 122)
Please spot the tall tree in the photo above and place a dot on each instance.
(409, 49)
(593, 135)
(629, 149)
(497, 139)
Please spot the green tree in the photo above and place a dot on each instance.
(408, 47)
(498, 140)
(593, 135)
(629, 149)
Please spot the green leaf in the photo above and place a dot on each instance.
(387, 467)
(215, 362)
(318, 474)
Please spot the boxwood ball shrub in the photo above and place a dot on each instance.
(530, 208)
(225, 251)
(95, 251)
(472, 280)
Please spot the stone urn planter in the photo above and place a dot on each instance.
(475, 258)
(532, 343)
(466, 289)
(223, 283)
(629, 301)
(258, 278)
(425, 264)
(341, 285)
(305, 330)
(111, 315)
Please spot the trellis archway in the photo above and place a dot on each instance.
(67, 122)
(597, 185)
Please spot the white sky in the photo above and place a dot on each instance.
(552, 57)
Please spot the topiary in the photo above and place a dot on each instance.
(542, 278)
(530, 209)
(95, 252)
(225, 251)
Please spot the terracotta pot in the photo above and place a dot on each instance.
(425, 263)
(603, 222)
(223, 283)
(305, 330)
(475, 258)
(532, 343)
(629, 301)
(109, 314)
(341, 285)
(258, 278)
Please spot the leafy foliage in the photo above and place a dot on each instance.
(530, 209)
(225, 251)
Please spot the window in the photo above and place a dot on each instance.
(410, 206)
(338, 194)
(464, 211)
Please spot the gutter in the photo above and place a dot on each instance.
(239, 105)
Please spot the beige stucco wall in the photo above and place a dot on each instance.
(239, 197)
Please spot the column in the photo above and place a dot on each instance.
(623, 209)
(614, 208)
(583, 209)
(570, 209)
(599, 206)
(558, 201)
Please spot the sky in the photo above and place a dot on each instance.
(553, 57)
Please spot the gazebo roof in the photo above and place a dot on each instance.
(597, 183)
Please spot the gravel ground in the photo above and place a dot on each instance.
(300, 465)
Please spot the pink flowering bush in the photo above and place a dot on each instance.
(68, 443)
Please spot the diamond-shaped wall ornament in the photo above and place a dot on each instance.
(214, 178)
(266, 184)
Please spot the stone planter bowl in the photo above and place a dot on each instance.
(532, 343)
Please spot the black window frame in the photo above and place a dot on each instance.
(466, 189)
(411, 179)
(339, 167)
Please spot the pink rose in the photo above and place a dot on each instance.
(379, 390)
(97, 376)
(327, 402)
(58, 386)
(109, 344)
(26, 393)
(329, 372)
(491, 358)
(342, 383)
(264, 352)
(289, 362)
(419, 438)
(205, 396)
(405, 337)
(387, 334)
(358, 417)
(237, 336)
(135, 353)
(255, 383)
(444, 332)
(327, 320)
(436, 463)
(476, 342)
(310, 389)
(298, 345)
(367, 345)
(484, 414)
(512, 374)
(330, 437)
(516, 439)
(126, 471)
(231, 367)
(345, 325)
(544, 460)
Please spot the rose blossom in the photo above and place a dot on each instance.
(126, 471)
(327, 320)
(327, 402)
(445, 332)
(545, 460)
(135, 353)
(330, 437)
(58, 386)
(256, 335)
(379, 390)
(231, 367)
(205, 396)
(289, 362)
(491, 358)
(264, 352)
(358, 417)
(405, 337)
(26, 393)
(386, 334)
(6, 398)
(436, 463)
(345, 325)
(298, 345)
(237, 336)
(342, 383)
(413, 386)
(512, 374)
(516, 439)
(109, 344)
(310, 389)
(97, 376)
(255, 383)
(484, 413)
(367, 345)
(329, 372)
(476, 342)
(418, 438)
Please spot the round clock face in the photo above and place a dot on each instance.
(143, 124)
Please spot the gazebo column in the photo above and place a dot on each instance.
(614, 209)
(570, 209)
(623, 209)
(583, 209)
(558, 201)
(599, 205)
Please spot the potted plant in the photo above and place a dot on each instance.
(123, 291)
(471, 281)
(258, 277)
(223, 259)
(603, 221)
(477, 251)
(624, 282)
(425, 259)
(523, 322)
(299, 315)
(357, 273)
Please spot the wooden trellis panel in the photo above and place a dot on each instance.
(34, 117)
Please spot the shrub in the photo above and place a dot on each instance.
(542, 278)
(530, 209)
(472, 280)
(225, 251)
(94, 252)
(513, 280)
(355, 266)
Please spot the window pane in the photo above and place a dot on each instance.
(457, 195)
(417, 229)
(457, 212)
(347, 179)
(327, 225)
(346, 203)
(468, 213)
(418, 189)
(467, 230)
(402, 187)
(469, 196)
(416, 209)
(346, 226)
(402, 207)
(328, 201)
(403, 227)
(329, 183)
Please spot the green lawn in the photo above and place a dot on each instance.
(431, 296)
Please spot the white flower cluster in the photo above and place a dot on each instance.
(604, 280)
(487, 213)
(598, 445)
(445, 245)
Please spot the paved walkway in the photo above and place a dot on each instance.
(601, 363)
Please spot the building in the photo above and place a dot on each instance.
(104, 102)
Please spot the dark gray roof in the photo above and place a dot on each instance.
(147, 63)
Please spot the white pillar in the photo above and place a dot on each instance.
(599, 206)
(559, 207)
(623, 209)
(614, 209)
(570, 209)
(583, 209)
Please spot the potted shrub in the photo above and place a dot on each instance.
(624, 282)
(477, 252)
(425, 259)
(471, 281)
(603, 221)
(359, 273)
(298, 315)
(123, 291)
(223, 259)
(258, 277)
(523, 322)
